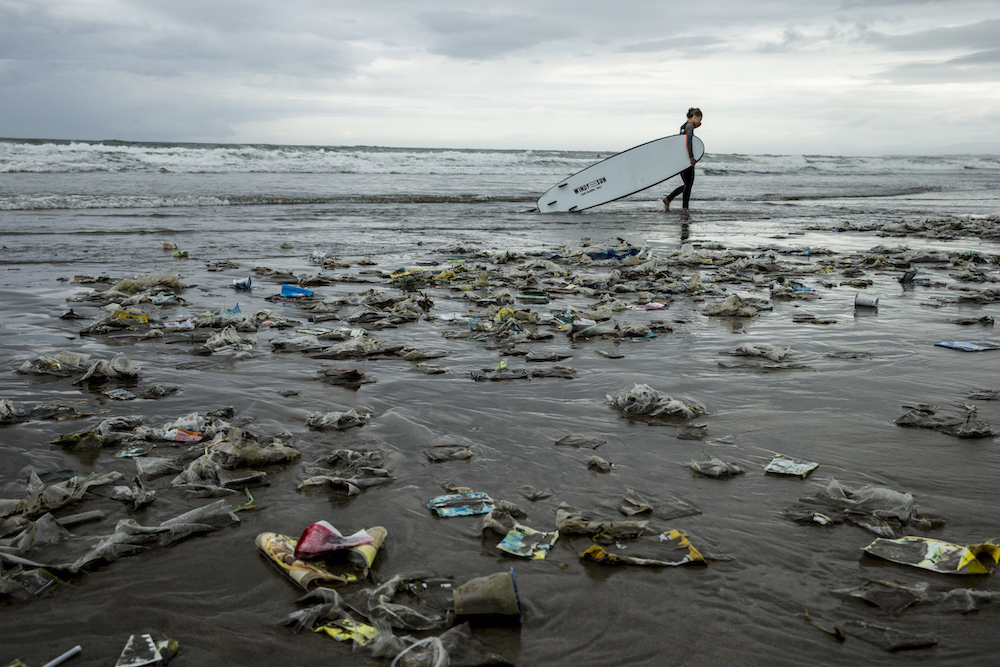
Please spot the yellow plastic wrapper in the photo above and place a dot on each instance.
(937, 555)
(122, 315)
(310, 574)
(676, 539)
(345, 630)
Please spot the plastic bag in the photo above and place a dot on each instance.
(321, 538)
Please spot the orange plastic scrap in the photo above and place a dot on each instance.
(675, 538)
(937, 555)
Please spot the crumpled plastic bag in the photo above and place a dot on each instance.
(322, 421)
(715, 467)
(228, 339)
(572, 522)
(208, 475)
(41, 498)
(321, 538)
(62, 363)
(141, 284)
(644, 401)
(732, 306)
(768, 351)
(118, 368)
(357, 346)
(8, 413)
(131, 538)
(422, 612)
(879, 510)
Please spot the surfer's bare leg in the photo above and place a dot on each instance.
(666, 202)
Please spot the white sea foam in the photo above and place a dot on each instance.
(83, 157)
(115, 157)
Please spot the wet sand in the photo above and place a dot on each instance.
(222, 601)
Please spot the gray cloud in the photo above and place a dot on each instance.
(416, 70)
(672, 44)
(979, 67)
(982, 35)
(475, 36)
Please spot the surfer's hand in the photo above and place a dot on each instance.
(693, 162)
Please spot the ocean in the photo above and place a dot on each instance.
(123, 209)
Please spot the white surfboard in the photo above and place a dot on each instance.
(621, 175)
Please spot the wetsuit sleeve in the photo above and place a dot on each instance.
(688, 135)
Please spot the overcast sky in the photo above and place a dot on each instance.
(841, 77)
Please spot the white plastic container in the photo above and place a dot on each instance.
(865, 300)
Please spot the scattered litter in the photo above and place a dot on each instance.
(494, 595)
(528, 542)
(956, 422)
(879, 510)
(888, 638)
(970, 345)
(280, 549)
(889, 596)
(781, 465)
(141, 650)
(672, 543)
(716, 468)
(937, 555)
(644, 401)
(461, 504)
(321, 538)
(340, 421)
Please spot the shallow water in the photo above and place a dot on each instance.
(218, 597)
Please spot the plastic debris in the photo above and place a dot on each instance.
(345, 629)
(572, 522)
(781, 465)
(937, 555)
(674, 541)
(644, 401)
(461, 504)
(880, 510)
(321, 538)
(956, 422)
(340, 421)
(528, 542)
(141, 650)
(130, 538)
(890, 639)
(295, 291)
(309, 574)
(970, 345)
(890, 596)
(716, 468)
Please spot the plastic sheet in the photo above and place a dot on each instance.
(937, 555)
(461, 504)
(527, 542)
(674, 539)
(782, 465)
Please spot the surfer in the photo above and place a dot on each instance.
(687, 129)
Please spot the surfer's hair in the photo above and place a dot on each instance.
(694, 111)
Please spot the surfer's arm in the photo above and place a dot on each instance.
(688, 133)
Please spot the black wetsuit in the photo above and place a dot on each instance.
(687, 129)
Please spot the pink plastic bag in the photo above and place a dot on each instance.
(321, 538)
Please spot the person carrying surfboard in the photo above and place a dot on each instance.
(687, 129)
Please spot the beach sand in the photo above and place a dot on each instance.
(844, 377)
